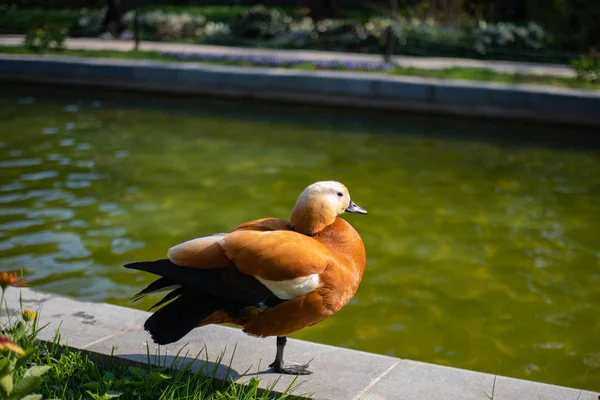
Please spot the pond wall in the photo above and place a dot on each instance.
(365, 90)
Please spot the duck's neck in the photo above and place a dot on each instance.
(310, 218)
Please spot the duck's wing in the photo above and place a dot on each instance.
(286, 262)
(276, 255)
(207, 253)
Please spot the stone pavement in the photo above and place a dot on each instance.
(404, 61)
(109, 331)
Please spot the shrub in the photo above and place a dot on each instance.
(46, 37)
(158, 25)
(260, 23)
(85, 23)
(587, 67)
(486, 37)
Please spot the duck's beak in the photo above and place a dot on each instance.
(353, 208)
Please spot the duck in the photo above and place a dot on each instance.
(270, 276)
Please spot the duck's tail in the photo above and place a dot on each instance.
(197, 297)
(185, 307)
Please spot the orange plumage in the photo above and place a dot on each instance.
(270, 276)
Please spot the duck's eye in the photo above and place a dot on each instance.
(340, 194)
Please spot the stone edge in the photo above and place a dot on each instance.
(369, 90)
(397, 378)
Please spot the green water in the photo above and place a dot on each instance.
(482, 237)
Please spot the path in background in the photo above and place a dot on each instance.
(313, 55)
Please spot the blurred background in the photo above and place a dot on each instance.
(548, 31)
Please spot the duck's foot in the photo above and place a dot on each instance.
(290, 369)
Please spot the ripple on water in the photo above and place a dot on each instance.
(82, 202)
(50, 131)
(113, 231)
(124, 245)
(20, 162)
(22, 224)
(67, 142)
(12, 186)
(77, 184)
(84, 176)
(55, 214)
(84, 146)
(36, 176)
(122, 154)
(13, 211)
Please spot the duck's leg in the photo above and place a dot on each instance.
(278, 365)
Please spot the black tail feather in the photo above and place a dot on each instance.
(226, 283)
(168, 297)
(159, 285)
(178, 318)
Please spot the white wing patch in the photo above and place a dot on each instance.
(292, 288)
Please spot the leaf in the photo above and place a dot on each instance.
(158, 377)
(19, 331)
(36, 371)
(32, 397)
(111, 394)
(108, 377)
(138, 372)
(93, 395)
(23, 359)
(4, 366)
(92, 385)
(6, 384)
(25, 385)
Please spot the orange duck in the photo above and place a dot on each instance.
(270, 276)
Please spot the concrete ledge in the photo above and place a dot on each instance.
(372, 90)
(339, 374)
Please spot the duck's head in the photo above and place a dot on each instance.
(319, 205)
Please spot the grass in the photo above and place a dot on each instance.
(464, 74)
(74, 375)
(63, 373)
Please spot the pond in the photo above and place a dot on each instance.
(482, 237)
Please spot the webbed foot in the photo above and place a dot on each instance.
(290, 369)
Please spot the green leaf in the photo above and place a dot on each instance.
(6, 384)
(112, 394)
(5, 366)
(93, 395)
(108, 377)
(25, 385)
(19, 331)
(138, 372)
(92, 385)
(36, 371)
(158, 377)
(32, 397)
(23, 359)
